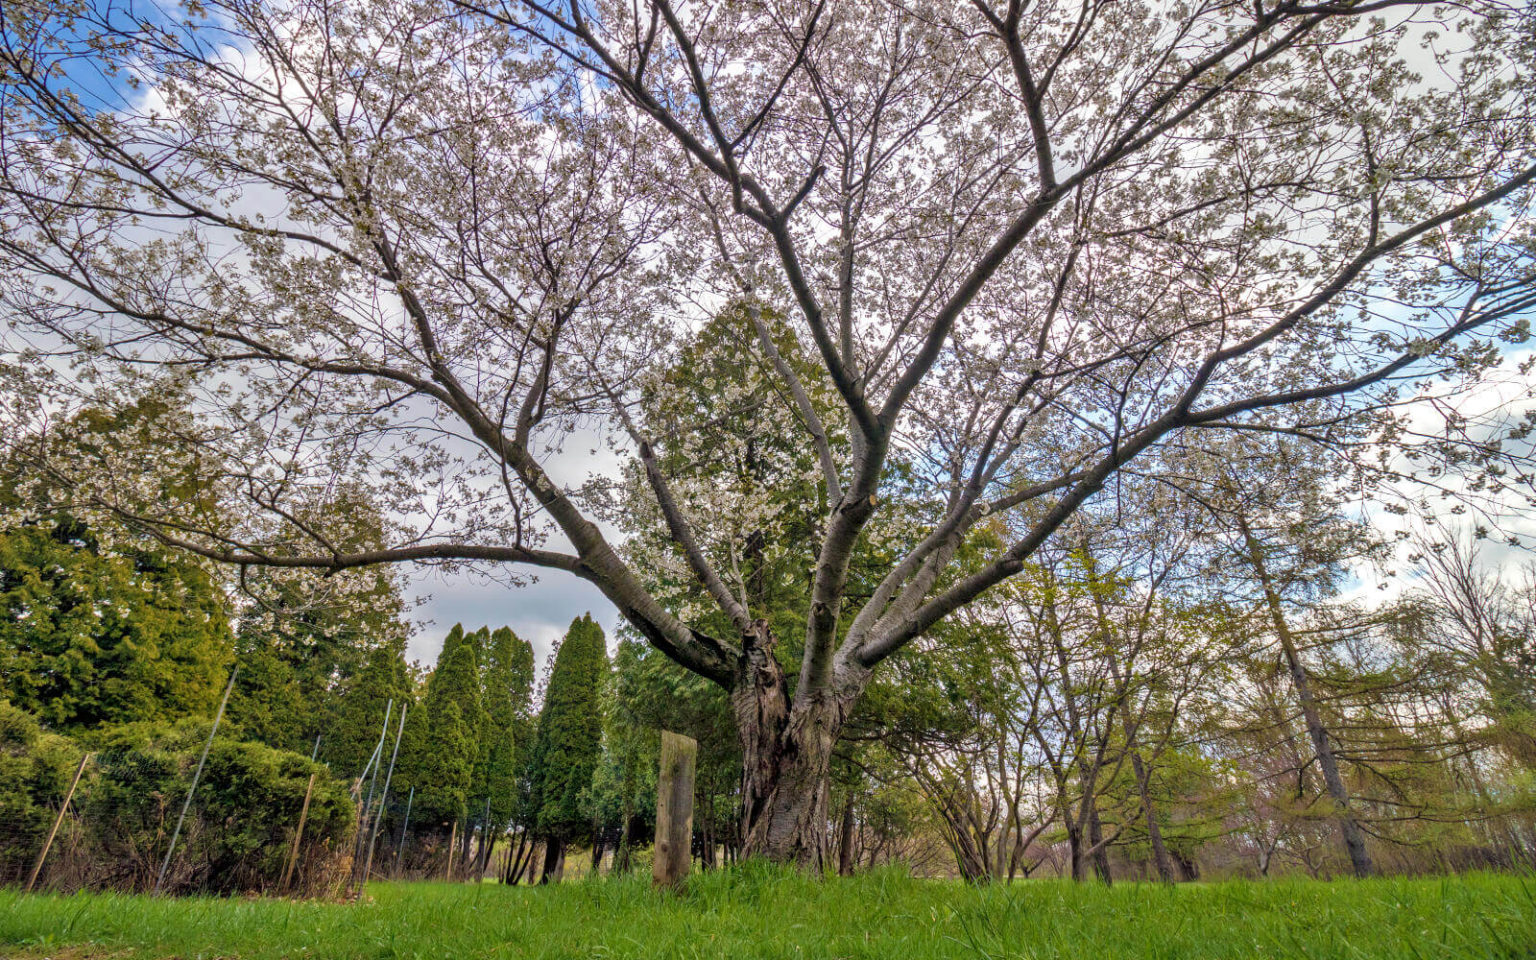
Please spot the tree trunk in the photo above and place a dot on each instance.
(1075, 850)
(515, 859)
(787, 754)
(845, 839)
(554, 855)
(488, 839)
(531, 862)
(621, 856)
(1354, 837)
(1154, 829)
(1097, 844)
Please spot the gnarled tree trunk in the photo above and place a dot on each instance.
(786, 754)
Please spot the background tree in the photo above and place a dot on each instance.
(506, 692)
(354, 716)
(439, 755)
(569, 742)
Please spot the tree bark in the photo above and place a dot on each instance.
(1099, 847)
(554, 859)
(1349, 827)
(787, 753)
(1154, 829)
(1075, 849)
(845, 839)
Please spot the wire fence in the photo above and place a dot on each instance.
(178, 809)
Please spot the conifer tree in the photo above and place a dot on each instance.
(570, 737)
(444, 752)
(507, 687)
(353, 723)
(94, 632)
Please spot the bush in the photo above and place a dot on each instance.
(238, 830)
(35, 770)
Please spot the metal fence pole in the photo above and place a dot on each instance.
(400, 849)
(362, 810)
(373, 839)
(176, 834)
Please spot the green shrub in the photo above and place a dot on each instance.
(35, 770)
(238, 831)
(240, 826)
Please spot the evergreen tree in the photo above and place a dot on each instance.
(570, 738)
(268, 704)
(352, 724)
(93, 632)
(302, 642)
(444, 749)
(508, 690)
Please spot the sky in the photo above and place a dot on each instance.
(539, 612)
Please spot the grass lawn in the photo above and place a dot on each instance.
(760, 912)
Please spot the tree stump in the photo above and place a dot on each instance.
(674, 809)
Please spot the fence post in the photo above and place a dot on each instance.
(400, 849)
(674, 809)
(69, 794)
(176, 834)
(293, 855)
(452, 842)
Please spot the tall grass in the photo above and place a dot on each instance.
(757, 911)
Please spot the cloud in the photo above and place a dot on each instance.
(539, 612)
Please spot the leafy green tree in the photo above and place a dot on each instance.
(92, 632)
(445, 747)
(570, 736)
(302, 640)
(355, 717)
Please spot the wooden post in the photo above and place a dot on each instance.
(452, 838)
(674, 809)
(69, 794)
(293, 855)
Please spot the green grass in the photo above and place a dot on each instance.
(760, 912)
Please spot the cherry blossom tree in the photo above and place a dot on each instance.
(429, 246)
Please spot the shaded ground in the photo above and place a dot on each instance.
(759, 912)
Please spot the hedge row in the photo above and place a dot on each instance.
(237, 835)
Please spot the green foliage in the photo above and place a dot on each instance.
(507, 669)
(302, 643)
(445, 745)
(35, 770)
(268, 703)
(353, 722)
(753, 912)
(242, 813)
(570, 733)
(92, 633)
(237, 832)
